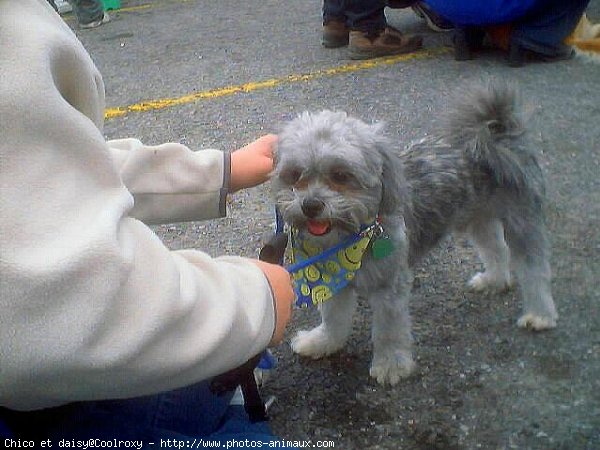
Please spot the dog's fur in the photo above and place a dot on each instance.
(478, 175)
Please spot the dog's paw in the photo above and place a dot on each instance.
(315, 343)
(536, 323)
(484, 282)
(391, 369)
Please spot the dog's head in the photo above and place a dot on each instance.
(334, 174)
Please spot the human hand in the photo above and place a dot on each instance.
(283, 294)
(252, 164)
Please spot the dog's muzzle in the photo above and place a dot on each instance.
(312, 207)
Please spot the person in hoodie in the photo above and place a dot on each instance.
(103, 330)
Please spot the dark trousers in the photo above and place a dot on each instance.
(546, 26)
(360, 15)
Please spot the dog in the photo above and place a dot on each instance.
(477, 175)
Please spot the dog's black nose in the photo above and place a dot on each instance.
(312, 207)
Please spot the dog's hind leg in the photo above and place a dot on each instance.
(530, 256)
(488, 237)
(391, 335)
(335, 328)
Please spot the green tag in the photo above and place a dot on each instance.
(382, 247)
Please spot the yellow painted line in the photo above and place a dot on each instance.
(133, 8)
(153, 105)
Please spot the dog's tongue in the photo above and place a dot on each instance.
(318, 227)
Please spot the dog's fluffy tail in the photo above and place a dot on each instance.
(487, 122)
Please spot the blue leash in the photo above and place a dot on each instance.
(279, 229)
(279, 223)
(267, 359)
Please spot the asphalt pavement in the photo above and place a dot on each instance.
(218, 74)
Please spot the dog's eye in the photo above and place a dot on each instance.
(340, 176)
(290, 175)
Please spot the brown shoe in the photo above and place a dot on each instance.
(390, 41)
(335, 34)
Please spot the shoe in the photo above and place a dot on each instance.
(366, 45)
(466, 41)
(62, 6)
(335, 34)
(462, 50)
(433, 19)
(95, 23)
(518, 56)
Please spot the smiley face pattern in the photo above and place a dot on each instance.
(327, 275)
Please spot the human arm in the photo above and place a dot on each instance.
(93, 305)
(171, 183)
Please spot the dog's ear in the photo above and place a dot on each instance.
(391, 178)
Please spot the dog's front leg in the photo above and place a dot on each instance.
(336, 325)
(391, 335)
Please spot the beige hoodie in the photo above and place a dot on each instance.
(92, 304)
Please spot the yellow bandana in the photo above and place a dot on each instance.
(319, 274)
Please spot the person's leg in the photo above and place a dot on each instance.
(333, 10)
(190, 411)
(366, 15)
(90, 13)
(335, 28)
(544, 30)
(467, 40)
(184, 414)
(371, 36)
(237, 430)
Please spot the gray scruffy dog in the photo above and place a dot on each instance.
(477, 175)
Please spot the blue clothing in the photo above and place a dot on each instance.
(185, 414)
(538, 25)
(476, 12)
(548, 24)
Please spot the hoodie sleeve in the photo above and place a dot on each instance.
(92, 304)
(171, 183)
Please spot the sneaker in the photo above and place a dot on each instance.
(365, 45)
(433, 19)
(335, 34)
(62, 6)
(95, 23)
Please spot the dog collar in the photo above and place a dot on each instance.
(318, 274)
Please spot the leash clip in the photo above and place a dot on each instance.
(378, 230)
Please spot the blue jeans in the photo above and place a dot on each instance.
(181, 416)
(360, 15)
(548, 24)
(539, 25)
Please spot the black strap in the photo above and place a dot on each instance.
(243, 376)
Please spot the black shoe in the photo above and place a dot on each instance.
(466, 41)
(462, 51)
(516, 55)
